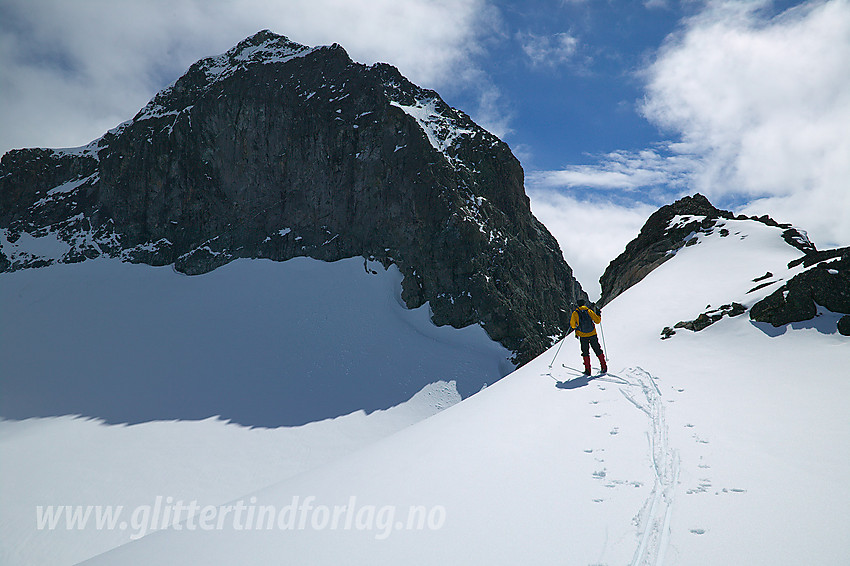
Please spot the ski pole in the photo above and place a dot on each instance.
(604, 350)
(558, 350)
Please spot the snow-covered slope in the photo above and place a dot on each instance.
(259, 343)
(725, 446)
(59, 461)
(757, 415)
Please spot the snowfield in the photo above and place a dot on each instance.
(261, 345)
(73, 461)
(726, 446)
(256, 342)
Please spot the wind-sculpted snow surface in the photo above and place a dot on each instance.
(51, 463)
(258, 342)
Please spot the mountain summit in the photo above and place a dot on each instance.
(277, 150)
(815, 282)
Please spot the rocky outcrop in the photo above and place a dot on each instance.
(706, 319)
(844, 325)
(667, 230)
(276, 150)
(825, 283)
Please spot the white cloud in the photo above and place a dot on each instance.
(766, 104)
(590, 234)
(71, 70)
(548, 50)
(622, 170)
(761, 108)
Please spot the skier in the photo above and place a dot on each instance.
(584, 321)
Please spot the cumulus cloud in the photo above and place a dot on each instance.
(767, 106)
(71, 70)
(590, 233)
(760, 109)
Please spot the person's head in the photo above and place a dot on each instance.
(582, 303)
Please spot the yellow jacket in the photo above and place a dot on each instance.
(593, 316)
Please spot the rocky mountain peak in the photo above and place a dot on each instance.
(668, 229)
(277, 150)
(262, 48)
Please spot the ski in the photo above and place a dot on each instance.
(601, 376)
(581, 372)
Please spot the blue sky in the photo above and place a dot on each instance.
(567, 72)
(575, 98)
(614, 107)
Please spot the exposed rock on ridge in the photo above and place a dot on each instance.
(658, 241)
(276, 150)
(825, 282)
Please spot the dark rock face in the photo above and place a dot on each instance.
(276, 150)
(658, 241)
(827, 283)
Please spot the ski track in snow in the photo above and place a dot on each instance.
(654, 519)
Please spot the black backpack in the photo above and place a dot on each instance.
(585, 323)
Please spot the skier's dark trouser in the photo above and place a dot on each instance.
(587, 343)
